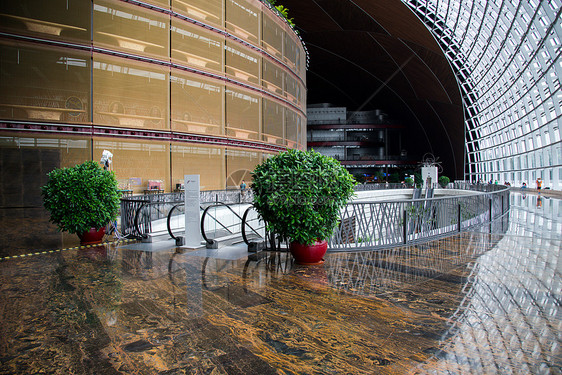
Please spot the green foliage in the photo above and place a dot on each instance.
(284, 12)
(82, 197)
(300, 194)
(409, 181)
(444, 181)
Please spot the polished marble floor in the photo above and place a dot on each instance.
(475, 303)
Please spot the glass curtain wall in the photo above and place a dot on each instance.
(506, 55)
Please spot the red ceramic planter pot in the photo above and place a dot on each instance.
(92, 236)
(309, 254)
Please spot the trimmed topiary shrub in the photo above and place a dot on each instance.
(444, 181)
(81, 197)
(299, 194)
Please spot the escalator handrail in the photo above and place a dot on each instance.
(216, 204)
(244, 237)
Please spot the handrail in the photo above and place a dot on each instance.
(244, 222)
(217, 204)
(139, 210)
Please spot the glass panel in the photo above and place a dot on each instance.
(242, 114)
(137, 161)
(240, 165)
(25, 161)
(242, 19)
(194, 47)
(197, 105)
(55, 19)
(272, 122)
(272, 39)
(291, 132)
(206, 11)
(290, 51)
(241, 63)
(208, 162)
(130, 28)
(273, 77)
(291, 88)
(46, 84)
(130, 94)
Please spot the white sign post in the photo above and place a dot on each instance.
(429, 172)
(192, 216)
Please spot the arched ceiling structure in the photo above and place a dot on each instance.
(367, 54)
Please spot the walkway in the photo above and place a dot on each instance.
(470, 304)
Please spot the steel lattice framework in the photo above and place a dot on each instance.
(506, 57)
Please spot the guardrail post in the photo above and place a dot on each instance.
(405, 227)
(459, 217)
(491, 204)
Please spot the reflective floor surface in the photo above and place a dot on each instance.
(476, 303)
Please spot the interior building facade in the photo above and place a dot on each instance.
(169, 88)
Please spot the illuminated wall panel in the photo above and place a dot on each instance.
(239, 166)
(210, 12)
(58, 19)
(188, 159)
(272, 38)
(130, 28)
(273, 77)
(241, 63)
(291, 128)
(44, 84)
(273, 126)
(130, 94)
(197, 104)
(242, 114)
(136, 161)
(194, 46)
(243, 19)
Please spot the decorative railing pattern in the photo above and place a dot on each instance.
(382, 224)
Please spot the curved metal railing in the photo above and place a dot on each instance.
(364, 225)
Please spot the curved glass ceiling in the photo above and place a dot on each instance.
(506, 56)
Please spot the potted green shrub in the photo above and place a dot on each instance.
(444, 181)
(299, 194)
(82, 200)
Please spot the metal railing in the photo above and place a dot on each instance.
(139, 211)
(365, 225)
(383, 224)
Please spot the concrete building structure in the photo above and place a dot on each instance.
(365, 142)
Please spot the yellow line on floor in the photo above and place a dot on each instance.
(68, 248)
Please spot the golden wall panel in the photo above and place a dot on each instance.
(44, 83)
(131, 94)
(130, 28)
(290, 51)
(197, 104)
(273, 122)
(206, 161)
(137, 161)
(241, 63)
(195, 47)
(54, 19)
(272, 37)
(291, 89)
(291, 128)
(239, 166)
(273, 77)
(243, 19)
(210, 12)
(242, 114)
